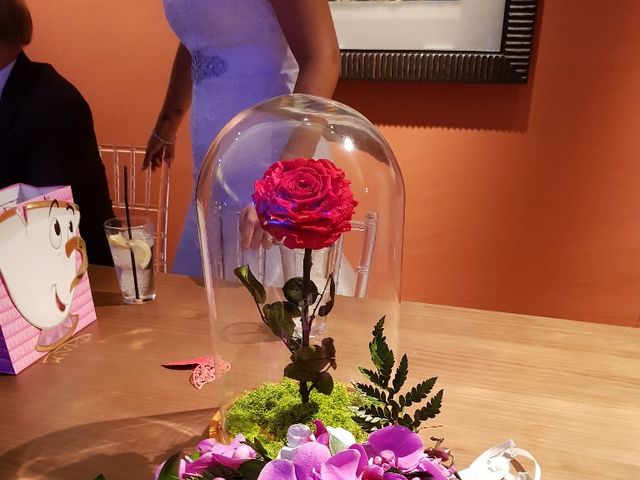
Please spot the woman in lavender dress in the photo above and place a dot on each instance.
(232, 55)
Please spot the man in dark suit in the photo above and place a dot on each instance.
(46, 131)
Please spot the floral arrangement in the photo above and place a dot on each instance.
(390, 453)
(307, 204)
(392, 450)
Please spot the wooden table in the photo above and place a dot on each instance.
(569, 392)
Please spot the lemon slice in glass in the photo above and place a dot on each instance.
(117, 240)
(141, 252)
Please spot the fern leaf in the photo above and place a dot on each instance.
(373, 377)
(387, 367)
(369, 391)
(405, 420)
(392, 403)
(378, 329)
(431, 409)
(420, 391)
(368, 422)
(381, 355)
(374, 411)
(401, 374)
(396, 409)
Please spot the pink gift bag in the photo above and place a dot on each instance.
(45, 297)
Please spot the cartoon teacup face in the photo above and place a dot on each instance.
(38, 259)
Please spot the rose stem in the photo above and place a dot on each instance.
(306, 323)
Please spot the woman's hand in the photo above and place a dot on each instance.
(157, 152)
(251, 233)
(161, 145)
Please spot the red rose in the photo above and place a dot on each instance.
(307, 202)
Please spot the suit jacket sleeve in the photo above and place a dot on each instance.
(65, 152)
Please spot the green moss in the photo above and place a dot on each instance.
(267, 412)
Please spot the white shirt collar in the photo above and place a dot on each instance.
(4, 75)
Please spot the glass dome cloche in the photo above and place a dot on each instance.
(300, 206)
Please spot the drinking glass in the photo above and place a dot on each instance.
(131, 244)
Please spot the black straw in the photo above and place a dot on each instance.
(126, 211)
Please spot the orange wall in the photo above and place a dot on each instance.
(519, 198)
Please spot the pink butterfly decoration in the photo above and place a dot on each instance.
(205, 369)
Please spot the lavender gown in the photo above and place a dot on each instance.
(240, 57)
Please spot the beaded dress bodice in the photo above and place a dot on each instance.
(239, 58)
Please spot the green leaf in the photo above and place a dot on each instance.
(384, 409)
(170, 468)
(405, 420)
(251, 283)
(221, 471)
(420, 391)
(279, 319)
(297, 371)
(329, 351)
(387, 367)
(373, 377)
(431, 409)
(378, 347)
(396, 409)
(251, 469)
(337, 444)
(292, 290)
(324, 383)
(324, 310)
(381, 356)
(292, 309)
(368, 422)
(401, 374)
(369, 391)
(307, 362)
(256, 444)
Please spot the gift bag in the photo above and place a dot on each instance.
(45, 296)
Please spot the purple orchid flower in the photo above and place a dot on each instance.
(390, 453)
(398, 447)
(392, 448)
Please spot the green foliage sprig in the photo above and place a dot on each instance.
(386, 407)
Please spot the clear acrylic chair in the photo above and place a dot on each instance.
(367, 228)
(148, 192)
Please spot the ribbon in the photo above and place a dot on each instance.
(498, 462)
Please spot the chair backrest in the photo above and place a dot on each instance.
(148, 193)
(368, 228)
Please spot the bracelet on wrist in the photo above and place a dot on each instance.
(171, 141)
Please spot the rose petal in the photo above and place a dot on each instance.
(306, 202)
